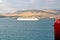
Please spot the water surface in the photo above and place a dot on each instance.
(11, 29)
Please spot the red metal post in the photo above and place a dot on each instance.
(57, 29)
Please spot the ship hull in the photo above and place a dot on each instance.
(27, 19)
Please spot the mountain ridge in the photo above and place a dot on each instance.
(36, 12)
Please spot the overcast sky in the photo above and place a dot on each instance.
(13, 5)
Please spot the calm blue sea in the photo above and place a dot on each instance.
(11, 29)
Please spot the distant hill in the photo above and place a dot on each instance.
(34, 12)
(31, 10)
(55, 12)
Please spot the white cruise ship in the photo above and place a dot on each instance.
(27, 19)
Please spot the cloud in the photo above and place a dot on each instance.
(47, 4)
(18, 4)
(1, 1)
(13, 5)
(5, 7)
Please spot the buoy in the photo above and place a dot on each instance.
(57, 29)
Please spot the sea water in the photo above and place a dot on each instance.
(11, 29)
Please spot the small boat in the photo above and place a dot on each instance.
(57, 29)
(27, 19)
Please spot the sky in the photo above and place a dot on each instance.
(14, 5)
